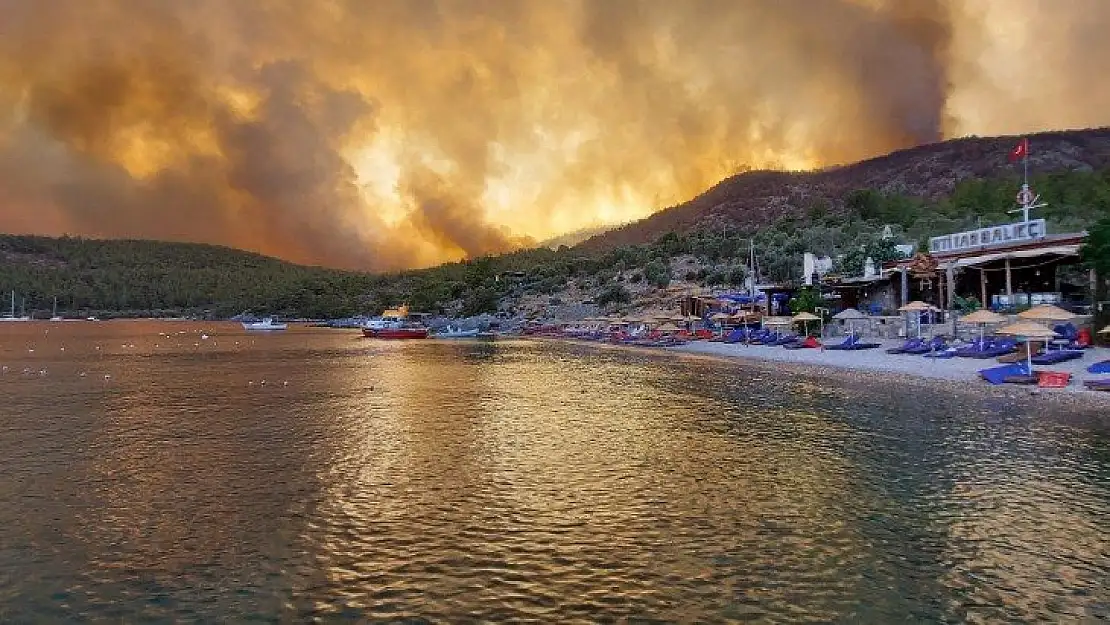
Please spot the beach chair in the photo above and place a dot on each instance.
(944, 354)
(846, 344)
(998, 375)
(808, 342)
(910, 344)
(936, 344)
(1057, 356)
(1102, 384)
(1100, 367)
(1053, 379)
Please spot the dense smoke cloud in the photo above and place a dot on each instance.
(399, 133)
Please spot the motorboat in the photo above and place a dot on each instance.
(267, 324)
(394, 323)
(452, 332)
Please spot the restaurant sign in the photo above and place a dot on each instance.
(988, 237)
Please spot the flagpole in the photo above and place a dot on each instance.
(1025, 162)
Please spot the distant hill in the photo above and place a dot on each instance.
(929, 172)
(153, 278)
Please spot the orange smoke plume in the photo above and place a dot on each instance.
(402, 133)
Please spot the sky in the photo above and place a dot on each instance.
(395, 134)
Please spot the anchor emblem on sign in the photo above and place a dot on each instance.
(1025, 197)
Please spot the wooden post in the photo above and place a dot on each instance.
(906, 296)
(950, 277)
(905, 287)
(950, 283)
(983, 286)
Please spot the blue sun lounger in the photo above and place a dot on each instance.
(998, 375)
(1100, 367)
(1057, 356)
(936, 344)
(908, 345)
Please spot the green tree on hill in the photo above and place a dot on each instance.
(1096, 255)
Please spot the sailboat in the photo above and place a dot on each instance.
(54, 315)
(11, 316)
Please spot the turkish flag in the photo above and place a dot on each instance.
(1020, 151)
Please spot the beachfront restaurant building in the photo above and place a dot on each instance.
(1006, 268)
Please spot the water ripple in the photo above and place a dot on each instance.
(520, 481)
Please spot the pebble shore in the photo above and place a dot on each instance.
(875, 366)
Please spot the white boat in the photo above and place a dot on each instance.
(455, 333)
(11, 316)
(266, 324)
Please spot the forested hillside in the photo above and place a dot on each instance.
(923, 175)
(151, 278)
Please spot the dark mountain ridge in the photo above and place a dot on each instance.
(928, 172)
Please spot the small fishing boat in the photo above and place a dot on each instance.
(265, 325)
(456, 333)
(394, 324)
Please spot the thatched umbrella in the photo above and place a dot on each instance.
(1047, 312)
(805, 318)
(1027, 330)
(850, 316)
(983, 317)
(917, 306)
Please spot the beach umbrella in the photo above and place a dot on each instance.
(850, 316)
(982, 317)
(1047, 312)
(805, 318)
(1027, 330)
(916, 306)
